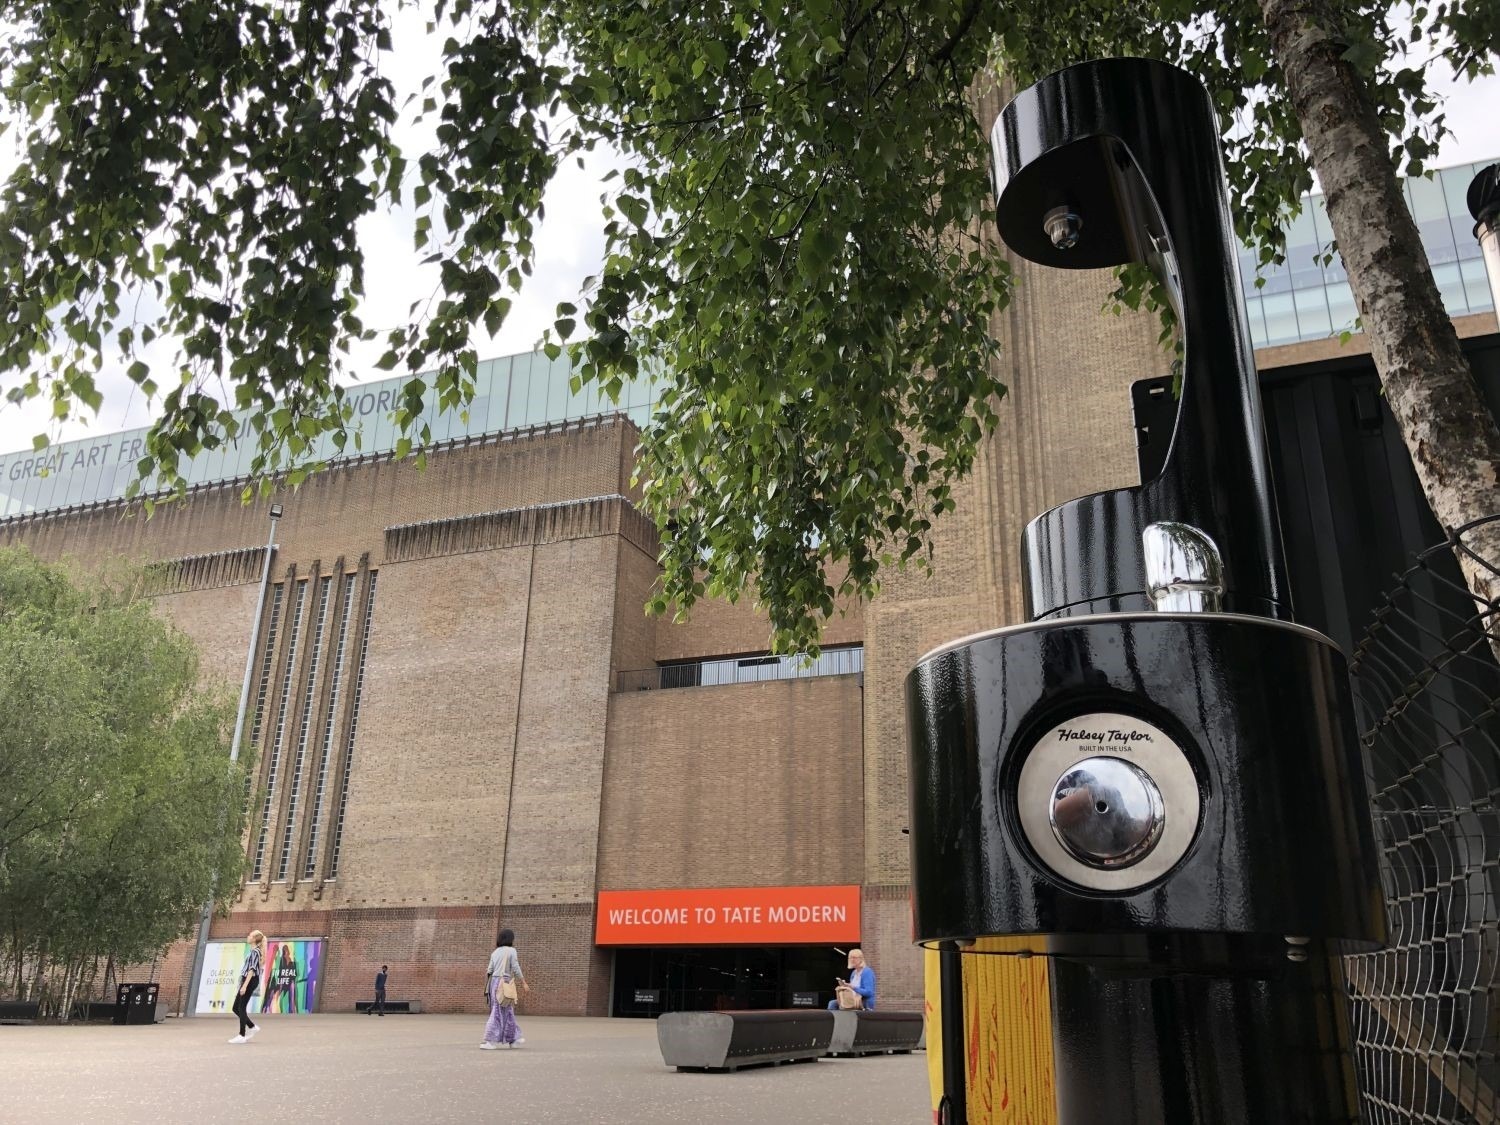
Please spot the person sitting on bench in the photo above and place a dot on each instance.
(861, 979)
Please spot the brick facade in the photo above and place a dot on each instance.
(735, 786)
(888, 947)
(436, 956)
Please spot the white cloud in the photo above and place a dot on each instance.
(1473, 120)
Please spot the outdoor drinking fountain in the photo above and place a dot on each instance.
(1155, 782)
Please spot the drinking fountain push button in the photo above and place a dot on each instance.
(1107, 801)
(1107, 812)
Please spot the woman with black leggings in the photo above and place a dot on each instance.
(249, 982)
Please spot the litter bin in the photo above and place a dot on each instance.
(136, 1003)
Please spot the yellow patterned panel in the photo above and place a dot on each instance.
(932, 1010)
(1009, 1031)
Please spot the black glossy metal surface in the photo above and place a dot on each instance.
(1484, 196)
(1247, 1047)
(1133, 147)
(1261, 710)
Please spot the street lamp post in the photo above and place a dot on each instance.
(206, 915)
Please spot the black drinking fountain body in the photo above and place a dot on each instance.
(1155, 782)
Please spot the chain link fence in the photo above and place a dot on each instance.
(1426, 1011)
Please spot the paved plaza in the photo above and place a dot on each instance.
(423, 1068)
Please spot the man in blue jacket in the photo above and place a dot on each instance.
(861, 979)
(380, 978)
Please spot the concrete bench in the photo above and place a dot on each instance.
(730, 1040)
(875, 1033)
(412, 1006)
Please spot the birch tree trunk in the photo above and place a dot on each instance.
(38, 975)
(69, 987)
(1453, 441)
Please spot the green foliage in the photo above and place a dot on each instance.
(785, 247)
(796, 240)
(117, 800)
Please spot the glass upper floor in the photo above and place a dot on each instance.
(1302, 299)
(844, 660)
(510, 393)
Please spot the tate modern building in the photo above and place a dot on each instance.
(463, 719)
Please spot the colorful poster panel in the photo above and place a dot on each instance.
(288, 983)
(221, 974)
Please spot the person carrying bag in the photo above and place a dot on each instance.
(507, 981)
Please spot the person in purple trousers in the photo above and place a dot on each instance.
(504, 977)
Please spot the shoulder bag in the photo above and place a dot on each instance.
(508, 993)
(849, 1000)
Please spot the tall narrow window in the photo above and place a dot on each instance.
(308, 694)
(359, 683)
(265, 679)
(276, 739)
(265, 662)
(310, 862)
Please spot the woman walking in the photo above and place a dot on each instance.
(249, 982)
(505, 975)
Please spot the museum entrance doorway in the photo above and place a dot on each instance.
(651, 980)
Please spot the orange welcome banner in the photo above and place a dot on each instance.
(728, 916)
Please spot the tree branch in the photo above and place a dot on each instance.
(966, 21)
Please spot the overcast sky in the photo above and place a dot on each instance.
(569, 248)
